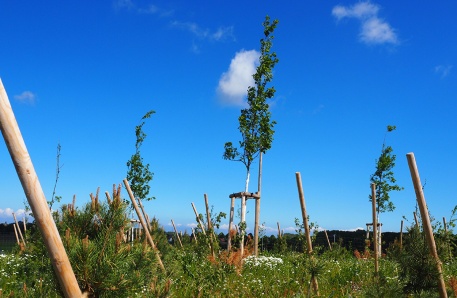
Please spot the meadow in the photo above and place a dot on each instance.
(106, 263)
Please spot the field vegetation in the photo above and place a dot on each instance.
(109, 264)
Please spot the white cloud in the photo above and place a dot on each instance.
(7, 215)
(191, 225)
(26, 97)
(360, 10)
(374, 30)
(443, 70)
(234, 83)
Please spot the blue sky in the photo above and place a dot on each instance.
(83, 73)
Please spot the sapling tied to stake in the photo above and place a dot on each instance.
(255, 124)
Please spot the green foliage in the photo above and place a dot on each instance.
(384, 177)
(255, 127)
(138, 173)
(418, 267)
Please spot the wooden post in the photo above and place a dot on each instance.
(328, 240)
(426, 225)
(305, 223)
(146, 217)
(401, 235)
(176, 232)
(447, 237)
(143, 223)
(415, 219)
(257, 209)
(193, 234)
(19, 229)
(303, 212)
(198, 219)
(243, 225)
(232, 211)
(375, 228)
(15, 233)
(210, 228)
(35, 197)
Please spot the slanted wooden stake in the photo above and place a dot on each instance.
(15, 233)
(143, 223)
(426, 225)
(198, 219)
(375, 228)
(305, 223)
(176, 232)
(35, 197)
(210, 227)
(328, 240)
(415, 219)
(19, 229)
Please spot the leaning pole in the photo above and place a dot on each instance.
(426, 224)
(35, 196)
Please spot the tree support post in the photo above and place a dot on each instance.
(143, 223)
(232, 211)
(375, 228)
(257, 209)
(35, 197)
(176, 232)
(426, 225)
(305, 223)
(210, 227)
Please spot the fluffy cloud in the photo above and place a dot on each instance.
(234, 83)
(6, 215)
(373, 30)
(26, 97)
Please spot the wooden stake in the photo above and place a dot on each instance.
(193, 234)
(303, 212)
(401, 235)
(243, 224)
(415, 219)
(15, 233)
(19, 229)
(143, 223)
(35, 197)
(145, 215)
(176, 232)
(210, 228)
(198, 219)
(25, 227)
(375, 228)
(426, 225)
(232, 211)
(257, 209)
(305, 223)
(328, 240)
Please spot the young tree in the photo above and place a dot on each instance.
(138, 173)
(256, 127)
(384, 178)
